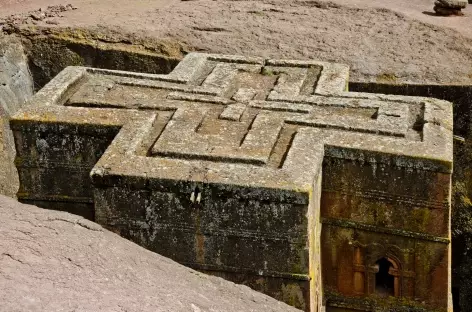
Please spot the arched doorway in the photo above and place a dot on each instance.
(384, 280)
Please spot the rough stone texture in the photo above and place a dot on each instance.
(16, 87)
(55, 261)
(451, 4)
(461, 217)
(369, 35)
(447, 11)
(423, 48)
(239, 161)
(48, 15)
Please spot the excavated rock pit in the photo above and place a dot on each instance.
(400, 56)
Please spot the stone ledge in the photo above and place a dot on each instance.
(372, 228)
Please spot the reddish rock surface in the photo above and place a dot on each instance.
(382, 40)
(55, 261)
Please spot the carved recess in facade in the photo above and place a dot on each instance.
(264, 172)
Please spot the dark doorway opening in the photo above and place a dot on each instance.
(456, 299)
(384, 281)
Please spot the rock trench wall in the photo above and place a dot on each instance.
(16, 87)
(50, 50)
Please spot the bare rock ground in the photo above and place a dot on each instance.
(404, 43)
(421, 10)
(55, 261)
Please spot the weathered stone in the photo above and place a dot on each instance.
(251, 169)
(16, 87)
(55, 261)
(451, 4)
(447, 11)
(50, 50)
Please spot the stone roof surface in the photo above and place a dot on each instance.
(56, 261)
(239, 146)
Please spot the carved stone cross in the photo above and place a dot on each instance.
(264, 172)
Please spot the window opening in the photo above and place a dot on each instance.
(384, 281)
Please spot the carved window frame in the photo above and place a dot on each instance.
(395, 270)
(364, 272)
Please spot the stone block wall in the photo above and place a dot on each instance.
(54, 163)
(16, 87)
(372, 211)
